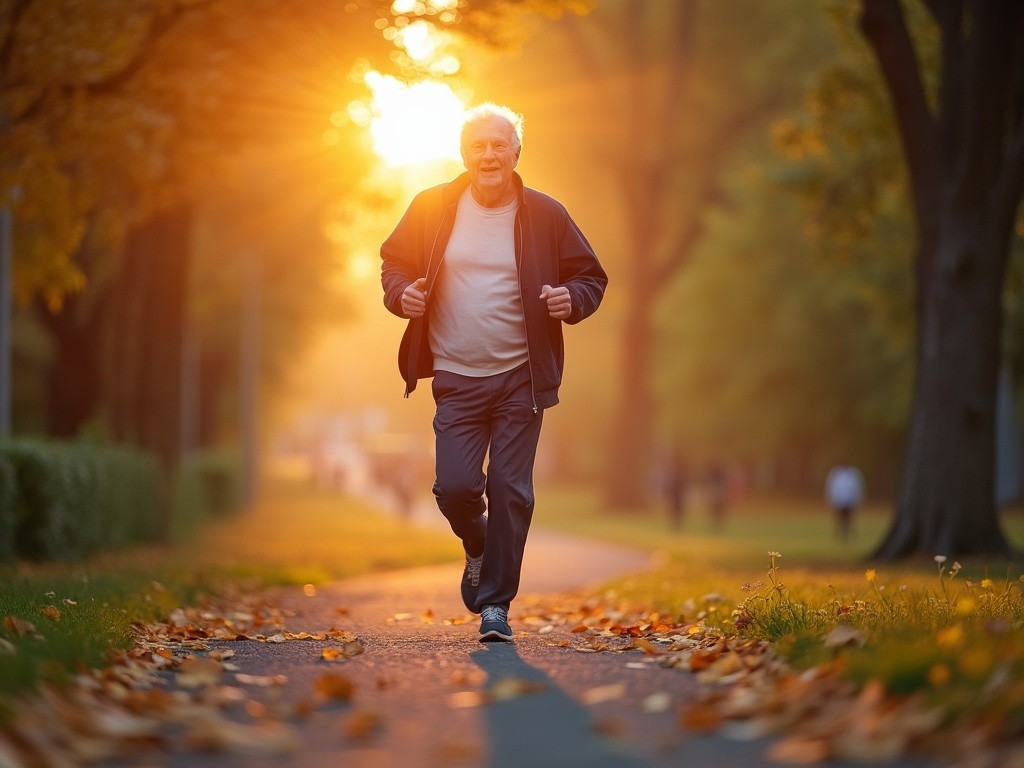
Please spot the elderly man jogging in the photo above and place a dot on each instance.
(487, 270)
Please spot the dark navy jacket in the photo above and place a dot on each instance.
(550, 250)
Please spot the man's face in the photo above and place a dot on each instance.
(490, 154)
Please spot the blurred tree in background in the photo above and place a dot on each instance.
(962, 138)
(153, 154)
(685, 85)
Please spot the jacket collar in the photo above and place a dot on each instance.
(453, 190)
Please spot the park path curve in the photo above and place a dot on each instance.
(418, 682)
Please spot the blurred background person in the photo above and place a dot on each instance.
(844, 490)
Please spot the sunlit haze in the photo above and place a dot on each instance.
(413, 123)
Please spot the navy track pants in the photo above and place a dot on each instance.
(488, 417)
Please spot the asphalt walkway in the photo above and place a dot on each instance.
(419, 686)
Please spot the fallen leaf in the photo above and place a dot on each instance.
(52, 612)
(646, 646)
(512, 688)
(603, 693)
(198, 672)
(656, 703)
(466, 699)
(798, 751)
(361, 725)
(20, 627)
(261, 681)
(218, 734)
(353, 648)
(699, 718)
(844, 635)
(333, 686)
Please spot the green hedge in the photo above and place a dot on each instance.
(8, 498)
(208, 485)
(64, 500)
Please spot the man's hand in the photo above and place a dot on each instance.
(559, 301)
(414, 299)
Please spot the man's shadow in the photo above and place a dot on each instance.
(540, 728)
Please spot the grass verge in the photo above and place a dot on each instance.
(950, 632)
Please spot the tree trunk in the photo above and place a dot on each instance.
(966, 168)
(146, 383)
(73, 385)
(629, 470)
(947, 501)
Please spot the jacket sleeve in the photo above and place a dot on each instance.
(580, 271)
(400, 257)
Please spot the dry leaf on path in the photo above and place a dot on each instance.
(602, 693)
(332, 686)
(198, 672)
(361, 725)
(656, 703)
(261, 681)
(512, 688)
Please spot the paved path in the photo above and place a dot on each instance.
(419, 677)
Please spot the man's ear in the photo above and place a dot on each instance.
(519, 151)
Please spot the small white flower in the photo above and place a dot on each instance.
(940, 559)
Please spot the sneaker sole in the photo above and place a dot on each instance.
(494, 636)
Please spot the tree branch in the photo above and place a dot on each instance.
(1010, 186)
(987, 107)
(680, 60)
(159, 28)
(884, 26)
(17, 10)
(949, 16)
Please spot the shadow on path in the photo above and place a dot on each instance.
(543, 728)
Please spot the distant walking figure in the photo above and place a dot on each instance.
(844, 490)
(717, 485)
(487, 270)
(675, 487)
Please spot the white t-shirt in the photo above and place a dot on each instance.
(844, 487)
(476, 323)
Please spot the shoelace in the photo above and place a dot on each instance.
(473, 565)
(494, 613)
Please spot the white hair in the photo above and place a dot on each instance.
(488, 110)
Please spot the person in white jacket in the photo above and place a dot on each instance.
(844, 490)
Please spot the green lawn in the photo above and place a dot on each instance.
(800, 528)
(943, 628)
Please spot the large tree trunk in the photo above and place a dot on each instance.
(966, 168)
(148, 336)
(947, 502)
(73, 384)
(629, 453)
(644, 179)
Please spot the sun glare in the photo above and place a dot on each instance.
(413, 123)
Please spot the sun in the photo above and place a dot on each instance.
(413, 123)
